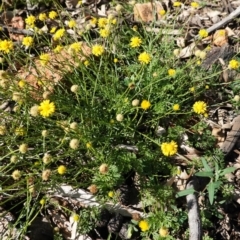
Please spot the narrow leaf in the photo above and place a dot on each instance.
(204, 174)
(217, 184)
(227, 170)
(185, 192)
(206, 166)
(129, 232)
(211, 188)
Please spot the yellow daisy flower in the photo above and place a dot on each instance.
(233, 64)
(6, 46)
(145, 104)
(62, 169)
(97, 50)
(203, 33)
(169, 148)
(200, 107)
(27, 41)
(46, 108)
(144, 226)
(52, 15)
(176, 107)
(144, 58)
(135, 42)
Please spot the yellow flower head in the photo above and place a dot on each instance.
(59, 34)
(93, 21)
(47, 158)
(52, 15)
(97, 50)
(194, 4)
(169, 148)
(162, 12)
(3, 130)
(21, 83)
(75, 217)
(144, 58)
(34, 111)
(72, 23)
(144, 226)
(89, 145)
(176, 107)
(23, 148)
(42, 17)
(58, 49)
(119, 117)
(104, 32)
(74, 88)
(145, 104)
(192, 89)
(171, 72)
(44, 59)
(177, 4)
(111, 194)
(44, 133)
(74, 144)
(27, 41)
(233, 64)
(42, 201)
(115, 60)
(135, 28)
(62, 169)
(86, 63)
(53, 29)
(75, 47)
(163, 232)
(46, 108)
(30, 20)
(102, 22)
(16, 175)
(203, 33)
(114, 21)
(135, 42)
(202, 55)
(6, 46)
(200, 107)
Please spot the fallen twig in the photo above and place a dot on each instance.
(224, 21)
(194, 220)
(17, 30)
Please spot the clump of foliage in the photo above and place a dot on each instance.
(132, 82)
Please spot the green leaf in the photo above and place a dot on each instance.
(204, 174)
(227, 170)
(185, 192)
(217, 184)
(211, 189)
(129, 232)
(206, 166)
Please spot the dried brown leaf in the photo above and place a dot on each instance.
(59, 64)
(187, 51)
(220, 37)
(147, 12)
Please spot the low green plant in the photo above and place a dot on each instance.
(131, 82)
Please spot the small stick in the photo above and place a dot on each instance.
(18, 31)
(224, 21)
(194, 219)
